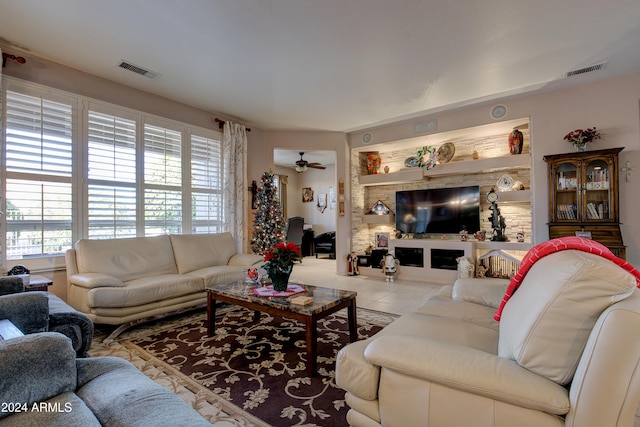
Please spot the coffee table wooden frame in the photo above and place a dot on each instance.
(275, 306)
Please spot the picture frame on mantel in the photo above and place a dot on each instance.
(382, 240)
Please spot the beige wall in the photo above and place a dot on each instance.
(319, 181)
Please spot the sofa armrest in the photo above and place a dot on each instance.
(248, 260)
(70, 322)
(95, 280)
(489, 291)
(29, 311)
(469, 370)
(36, 367)
(11, 285)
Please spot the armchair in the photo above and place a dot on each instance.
(34, 312)
(325, 243)
(565, 353)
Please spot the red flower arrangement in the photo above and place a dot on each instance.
(282, 255)
(582, 136)
(279, 263)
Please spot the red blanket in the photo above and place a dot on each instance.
(556, 245)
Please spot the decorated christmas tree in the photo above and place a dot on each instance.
(269, 224)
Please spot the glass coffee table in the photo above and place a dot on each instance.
(325, 302)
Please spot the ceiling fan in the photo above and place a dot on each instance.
(302, 165)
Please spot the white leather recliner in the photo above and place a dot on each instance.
(566, 352)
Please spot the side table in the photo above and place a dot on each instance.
(38, 283)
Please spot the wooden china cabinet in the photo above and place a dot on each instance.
(583, 196)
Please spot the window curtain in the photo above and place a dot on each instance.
(234, 140)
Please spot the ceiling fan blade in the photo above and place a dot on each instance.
(316, 166)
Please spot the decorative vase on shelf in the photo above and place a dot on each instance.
(516, 141)
(280, 277)
(373, 162)
(580, 148)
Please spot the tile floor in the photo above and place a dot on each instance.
(398, 297)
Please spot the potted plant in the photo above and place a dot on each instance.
(279, 263)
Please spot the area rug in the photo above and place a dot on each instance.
(251, 373)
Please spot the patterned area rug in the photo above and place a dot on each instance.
(250, 373)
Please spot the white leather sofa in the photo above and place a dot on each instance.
(566, 352)
(126, 281)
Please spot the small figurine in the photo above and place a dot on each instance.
(252, 275)
(480, 235)
(464, 236)
(465, 268)
(389, 266)
(520, 236)
(481, 271)
(352, 260)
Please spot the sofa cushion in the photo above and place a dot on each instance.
(36, 367)
(65, 409)
(547, 321)
(487, 292)
(195, 251)
(126, 259)
(145, 290)
(120, 395)
(212, 276)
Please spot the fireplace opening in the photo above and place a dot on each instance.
(411, 257)
(445, 259)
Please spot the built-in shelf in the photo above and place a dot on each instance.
(522, 196)
(399, 177)
(521, 161)
(379, 219)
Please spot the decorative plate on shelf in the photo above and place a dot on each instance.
(427, 157)
(505, 183)
(411, 162)
(446, 152)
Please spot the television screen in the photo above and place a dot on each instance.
(438, 210)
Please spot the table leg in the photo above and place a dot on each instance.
(312, 346)
(211, 316)
(353, 321)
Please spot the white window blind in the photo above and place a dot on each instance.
(39, 135)
(162, 180)
(206, 185)
(112, 175)
(39, 163)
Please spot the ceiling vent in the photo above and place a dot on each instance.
(596, 67)
(138, 70)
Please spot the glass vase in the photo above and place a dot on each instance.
(280, 277)
(580, 148)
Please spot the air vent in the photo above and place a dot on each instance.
(138, 70)
(589, 69)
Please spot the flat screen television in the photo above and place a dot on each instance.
(438, 210)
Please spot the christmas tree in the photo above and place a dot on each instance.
(268, 225)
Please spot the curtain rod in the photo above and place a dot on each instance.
(221, 124)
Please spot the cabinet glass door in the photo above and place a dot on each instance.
(597, 191)
(567, 192)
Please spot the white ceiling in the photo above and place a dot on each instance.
(330, 64)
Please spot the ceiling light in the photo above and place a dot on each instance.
(300, 169)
